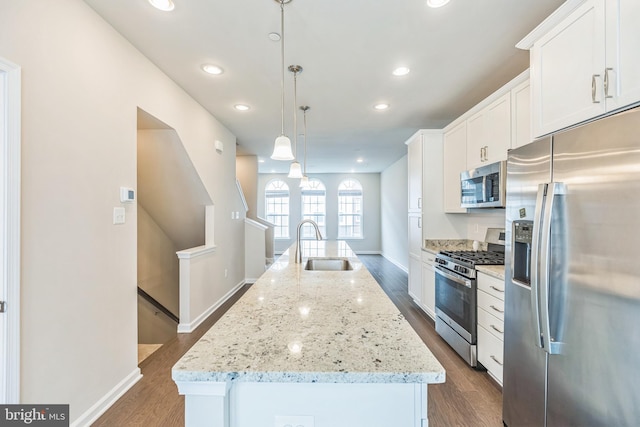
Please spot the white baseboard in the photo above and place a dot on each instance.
(250, 280)
(367, 252)
(187, 328)
(100, 407)
(396, 263)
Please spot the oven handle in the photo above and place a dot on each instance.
(453, 276)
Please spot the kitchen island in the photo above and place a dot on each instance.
(309, 348)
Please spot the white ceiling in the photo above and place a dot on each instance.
(458, 55)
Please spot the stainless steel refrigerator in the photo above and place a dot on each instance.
(572, 266)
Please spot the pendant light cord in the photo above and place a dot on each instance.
(295, 115)
(282, 58)
(304, 109)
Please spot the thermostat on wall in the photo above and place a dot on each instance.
(127, 195)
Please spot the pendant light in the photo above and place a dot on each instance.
(305, 179)
(282, 146)
(295, 171)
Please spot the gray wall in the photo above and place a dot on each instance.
(371, 243)
(393, 207)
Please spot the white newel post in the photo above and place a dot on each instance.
(206, 403)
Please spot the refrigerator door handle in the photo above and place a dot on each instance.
(553, 190)
(535, 262)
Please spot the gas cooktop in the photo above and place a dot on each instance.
(474, 258)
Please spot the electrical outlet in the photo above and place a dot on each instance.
(293, 421)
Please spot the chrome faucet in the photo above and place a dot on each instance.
(298, 249)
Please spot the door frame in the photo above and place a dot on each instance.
(10, 139)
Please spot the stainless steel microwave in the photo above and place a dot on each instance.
(484, 187)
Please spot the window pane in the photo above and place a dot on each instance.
(350, 209)
(277, 207)
(314, 197)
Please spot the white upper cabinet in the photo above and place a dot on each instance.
(455, 161)
(623, 52)
(414, 166)
(489, 133)
(585, 65)
(521, 115)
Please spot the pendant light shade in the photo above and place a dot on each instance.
(282, 149)
(282, 146)
(304, 181)
(295, 171)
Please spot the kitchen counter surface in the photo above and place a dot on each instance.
(496, 271)
(435, 246)
(295, 325)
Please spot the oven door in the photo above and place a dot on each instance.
(456, 302)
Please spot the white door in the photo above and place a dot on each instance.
(9, 232)
(3, 239)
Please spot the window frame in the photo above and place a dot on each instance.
(360, 215)
(307, 232)
(287, 217)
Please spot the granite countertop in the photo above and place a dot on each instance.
(436, 245)
(295, 325)
(496, 271)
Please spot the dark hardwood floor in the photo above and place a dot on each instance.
(467, 398)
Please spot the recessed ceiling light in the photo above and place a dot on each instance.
(241, 107)
(212, 69)
(401, 71)
(166, 5)
(260, 160)
(274, 36)
(360, 160)
(437, 3)
(381, 107)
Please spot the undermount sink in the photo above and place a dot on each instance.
(328, 264)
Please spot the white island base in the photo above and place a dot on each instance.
(247, 404)
(327, 347)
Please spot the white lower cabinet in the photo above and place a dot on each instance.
(429, 284)
(491, 324)
(415, 278)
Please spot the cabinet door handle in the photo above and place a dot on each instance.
(482, 154)
(496, 289)
(419, 222)
(607, 82)
(496, 329)
(419, 202)
(594, 88)
(496, 360)
(496, 309)
(486, 153)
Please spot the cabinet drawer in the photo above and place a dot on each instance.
(428, 257)
(491, 304)
(490, 353)
(491, 285)
(491, 323)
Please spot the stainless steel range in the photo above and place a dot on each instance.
(456, 293)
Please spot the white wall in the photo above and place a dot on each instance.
(371, 210)
(247, 174)
(82, 84)
(393, 213)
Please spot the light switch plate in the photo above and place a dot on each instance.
(293, 421)
(118, 215)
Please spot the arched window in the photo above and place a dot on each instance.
(276, 206)
(350, 209)
(314, 207)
